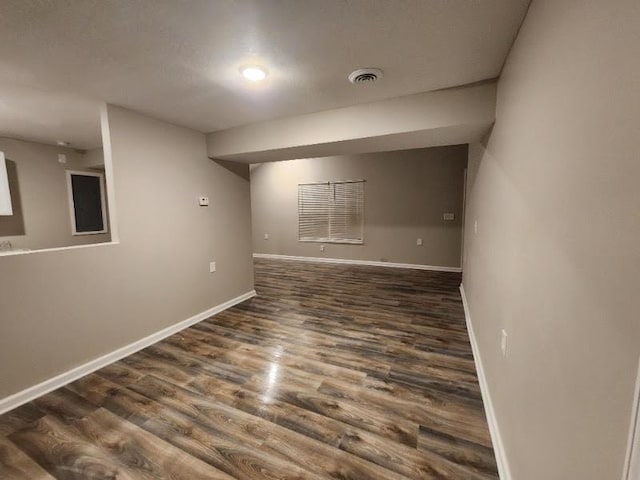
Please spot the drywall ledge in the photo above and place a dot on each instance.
(444, 117)
(31, 393)
(372, 263)
(496, 439)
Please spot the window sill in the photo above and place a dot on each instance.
(331, 240)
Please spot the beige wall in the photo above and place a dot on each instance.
(556, 258)
(63, 308)
(38, 186)
(406, 193)
(94, 158)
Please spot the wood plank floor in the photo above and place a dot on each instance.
(331, 372)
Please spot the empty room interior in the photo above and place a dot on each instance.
(319, 239)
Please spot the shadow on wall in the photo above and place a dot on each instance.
(473, 167)
(240, 169)
(13, 225)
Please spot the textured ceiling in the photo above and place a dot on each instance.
(179, 60)
(47, 117)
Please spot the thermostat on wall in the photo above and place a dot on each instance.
(203, 201)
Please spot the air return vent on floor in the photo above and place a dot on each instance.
(365, 75)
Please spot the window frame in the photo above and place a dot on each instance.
(72, 208)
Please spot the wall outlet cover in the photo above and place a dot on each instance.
(419, 242)
(203, 201)
(266, 236)
(448, 216)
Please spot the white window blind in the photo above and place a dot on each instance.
(331, 212)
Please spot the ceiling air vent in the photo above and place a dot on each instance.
(365, 75)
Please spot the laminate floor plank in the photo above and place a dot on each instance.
(301, 391)
(121, 401)
(450, 421)
(322, 458)
(264, 406)
(477, 457)
(65, 453)
(19, 418)
(332, 372)
(17, 465)
(172, 402)
(65, 405)
(267, 439)
(193, 340)
(135, 448)
(227, 455)
(103, 445)
(413, 463)
(325, 352)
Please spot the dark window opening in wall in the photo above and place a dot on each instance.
(87, 203)
(331, 212)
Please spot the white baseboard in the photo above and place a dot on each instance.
(31, 393)
(498, 447)
(374, 263)
(633, 442)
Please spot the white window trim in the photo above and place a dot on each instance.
(72, 208)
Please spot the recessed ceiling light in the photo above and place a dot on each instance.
(62, 143)
(254, 73)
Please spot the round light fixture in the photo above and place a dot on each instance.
(254, 73)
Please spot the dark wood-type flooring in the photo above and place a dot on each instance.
(331, 372)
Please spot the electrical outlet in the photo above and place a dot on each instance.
(503, 343)
(266, 236)
(419, 242)
(322, 248)
(212, 267)
(448, 216)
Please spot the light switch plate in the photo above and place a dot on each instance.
(203, 201)
(448, 216)
(419, 242)
(212, 267)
